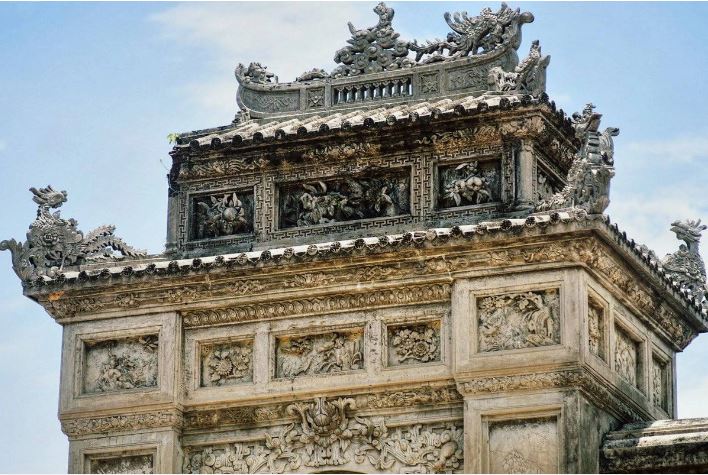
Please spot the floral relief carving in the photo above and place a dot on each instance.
(519, 320)
(597, 335)
(316, 354)
(626, 354)
(128, 464)
(468, 184)
(345, 199)
(659, 383)
(119, 423)
(326, 434)
(222, 215)
(120, 364)
(410, 344)
(227, 363)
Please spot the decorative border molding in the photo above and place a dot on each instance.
(122, 422)
(427, 293)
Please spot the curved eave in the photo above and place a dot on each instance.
(97, 276)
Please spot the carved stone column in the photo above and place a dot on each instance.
(525, 175)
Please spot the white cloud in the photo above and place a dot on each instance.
(646, 217)
(684, 148)
(287, 37)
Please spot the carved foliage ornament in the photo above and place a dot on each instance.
(54, 243)
(227, 363)
(326, 434)
(520, 320)
(120, 364)
(222, 215)
(468, 184)
(414, 343)
(345, 199)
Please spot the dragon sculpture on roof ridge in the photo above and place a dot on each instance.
(685, 267)
(54, 243)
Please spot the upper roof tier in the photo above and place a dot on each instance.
(477, 57)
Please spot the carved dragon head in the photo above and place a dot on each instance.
(48, 197)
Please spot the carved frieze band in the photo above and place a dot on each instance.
(249, 415)
(121, 423)
(328, 433)
(122, 464)
(553, 379)
(317, 305)
(595, 256)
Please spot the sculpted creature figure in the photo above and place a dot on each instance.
(255, 73)
(54, 243)
(686, 266)
(588, 182)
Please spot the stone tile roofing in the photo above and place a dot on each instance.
(160, 266)
(257, 130)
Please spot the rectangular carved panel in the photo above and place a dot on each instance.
(414, 344)
(316, 354)
(626, 356)
(126, 464)
(659, 383)
(222, 214)
(469, 183)
(225, 364)
(120, 364)
(597, 333)
(524, 446)
(333, 200)
(519, 320)
(330, 437)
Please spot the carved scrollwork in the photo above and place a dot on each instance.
(327, 434)
(123, 464)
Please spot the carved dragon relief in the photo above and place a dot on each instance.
(588, 182)
(54, 243)
(379, 48)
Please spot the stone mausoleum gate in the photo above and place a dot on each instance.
(398, 266)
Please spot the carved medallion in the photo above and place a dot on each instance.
(411, 344)
(519, 320)
(120, 364)
(225, 364)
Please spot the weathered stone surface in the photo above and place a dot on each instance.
(400, 266)
(665, 446)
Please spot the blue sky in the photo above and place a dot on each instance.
(89, 92)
